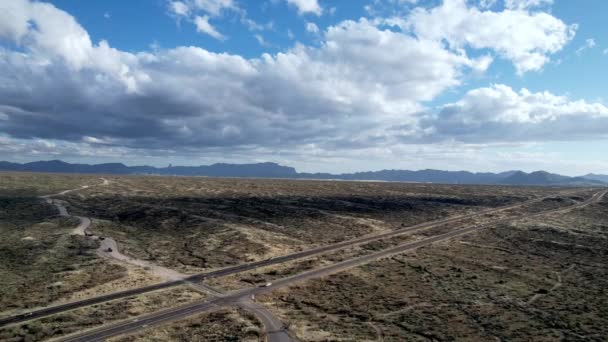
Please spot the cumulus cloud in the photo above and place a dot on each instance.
(364, 87)
(526, 39)
(192, 97)
(501, 114)
(307, 6)
(53, 37)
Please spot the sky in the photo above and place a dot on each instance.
(320, 85)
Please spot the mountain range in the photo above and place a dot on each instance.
(273, 170)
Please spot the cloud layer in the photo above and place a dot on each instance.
(366, 85)
(501, 114)
(524, 38)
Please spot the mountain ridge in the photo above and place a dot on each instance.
(592, 176)
(274, 170)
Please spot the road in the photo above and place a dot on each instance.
(248, 266)
(275, 329)
(108, 248)
(169, 315)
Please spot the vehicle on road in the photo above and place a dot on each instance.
(109, 250)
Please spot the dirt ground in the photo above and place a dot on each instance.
(541, 280)
(195, 224)
(226, 324)
(41, 262)
(22, 184)
(87, 318)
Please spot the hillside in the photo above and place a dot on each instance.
(273, 170)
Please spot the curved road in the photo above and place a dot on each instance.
(108, 248)
(275, 329)
(161, 317)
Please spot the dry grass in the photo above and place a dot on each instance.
(18, 184)
(540, 279)
(41, 262)
(226, 324)
(507, 282)
(194, 224)
(87, 318)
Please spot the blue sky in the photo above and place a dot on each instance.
(581, 76)
(483, 85)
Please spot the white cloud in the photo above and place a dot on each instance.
(261, 40)
(486, 4)
(589, 44)
(252, 25)
(526, 4)
(312, 27)
(501, 114)
(179, 8)
(190, 97)
(307, 6)
(605, 52)
(363, 88)
(203, 26)
(402, 2)
(199, 12)
(50, 34)
(214, 7)
(526, 39)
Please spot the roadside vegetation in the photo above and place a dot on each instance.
(195, 224)
(21, 184)
(537, 279)
(226, 324)
(529, 279)
(41, 261)
(87, 318)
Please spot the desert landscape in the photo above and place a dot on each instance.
(196, 258)
(303, 170)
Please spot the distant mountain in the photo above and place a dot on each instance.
(263, 170)
(546, 178)
(215, 170)
(601, 178)
(422, 176)
(273, 170)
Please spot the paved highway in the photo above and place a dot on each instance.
(160, 317)
(275, 329)
(249, 266)
(108, 248)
